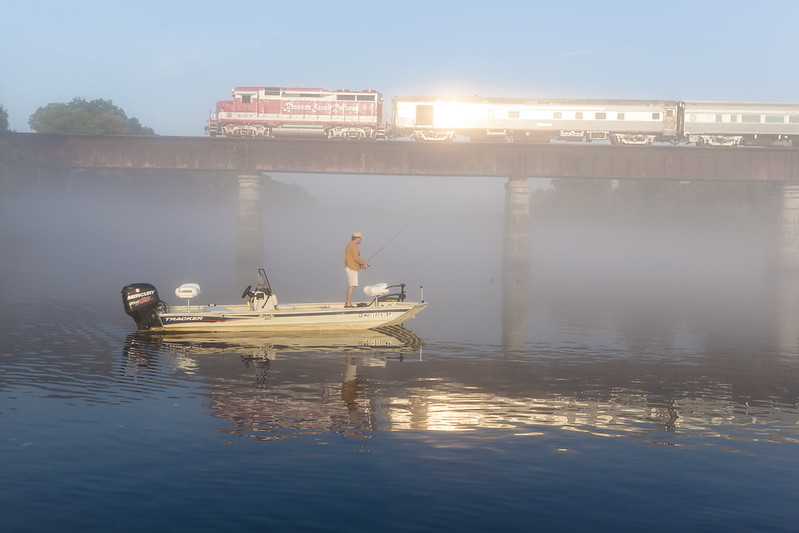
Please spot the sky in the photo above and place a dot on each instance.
(166, 63)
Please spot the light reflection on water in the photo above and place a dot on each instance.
(362, 384)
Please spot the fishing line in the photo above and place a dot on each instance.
(389, 242)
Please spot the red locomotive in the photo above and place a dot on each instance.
(284, 112)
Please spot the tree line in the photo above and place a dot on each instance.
(730, 205)
(81, 117)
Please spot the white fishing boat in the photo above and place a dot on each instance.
(262, 312)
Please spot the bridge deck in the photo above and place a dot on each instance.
(599, 161)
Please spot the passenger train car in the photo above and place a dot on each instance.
(511, 119)
(342, 114)
(618, 121)
(747, 123)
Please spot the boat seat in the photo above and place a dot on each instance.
(379, 289)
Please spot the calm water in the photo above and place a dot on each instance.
(635, 399)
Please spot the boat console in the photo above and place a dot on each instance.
(262, 298)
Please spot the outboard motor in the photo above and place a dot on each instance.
(140, 301)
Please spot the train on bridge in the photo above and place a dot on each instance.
(273, 112)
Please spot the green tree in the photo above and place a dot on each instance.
(9, 158)
(3, 120)
(97, 117)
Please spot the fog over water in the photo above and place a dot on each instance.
(81, 238)
(78, 237)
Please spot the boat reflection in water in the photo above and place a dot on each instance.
(317, 387)
(355, 386)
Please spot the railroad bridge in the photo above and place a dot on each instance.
(514, 162)
(457, 159)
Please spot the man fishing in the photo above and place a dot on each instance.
(352, 263)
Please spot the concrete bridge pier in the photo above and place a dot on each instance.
(249, 230)
(789, 228)
(516, 263)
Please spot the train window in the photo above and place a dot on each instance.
(345, 97)
(558, 114)
(513, 114)
(310, 95)
(750, 118)
(718, 118)
(669, 113)
(365, 98)
(733, 118)
(620, 116)
(656, 115)
(578, 115)
(245, 98)
(601, 116)
(272, 91)
(775, 119)
(424, 115)
(793, 119)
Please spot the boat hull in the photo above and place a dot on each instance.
(291, 318)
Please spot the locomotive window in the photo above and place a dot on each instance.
(669, 113)
(750, 118)
(656, 116)
(775, 119)
(272, 91)
(310, 95)
(345, 97)
(620, 116)
(601, 116)
(578, 115)
(245, 98)
(365, 98)
(558, 114)
(513, 114)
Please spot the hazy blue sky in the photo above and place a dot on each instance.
(168, 62)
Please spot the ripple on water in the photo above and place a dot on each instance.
(70, 352)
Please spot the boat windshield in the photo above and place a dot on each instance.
(263, 282)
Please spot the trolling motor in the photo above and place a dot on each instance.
(395, 296)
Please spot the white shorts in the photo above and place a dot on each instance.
(352, 276)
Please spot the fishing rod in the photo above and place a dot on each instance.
(389, 242)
